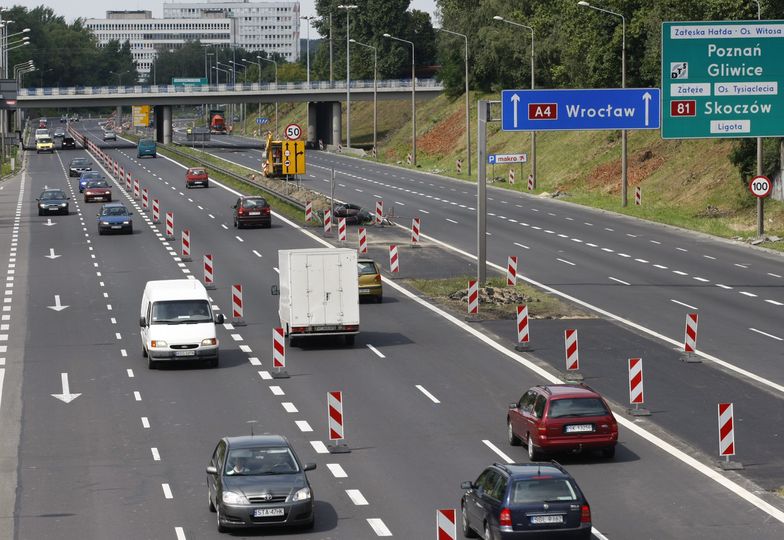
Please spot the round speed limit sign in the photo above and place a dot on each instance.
(760, 186)
(293, 132)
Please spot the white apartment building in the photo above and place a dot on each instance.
(272, 27)
(146, 35)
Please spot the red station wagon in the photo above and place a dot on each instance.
(196, 176)
(562, 417)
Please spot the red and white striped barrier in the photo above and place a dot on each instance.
(394, 263)
(278, 349)
(170, 225)
(156, 211)
(511, 271)
(379, 212)
(128, 182)
(122, 174)
(342, 229)
(726, 430)
(530, 182)
(335, 415)
(638, 196)
(459, 166)
(115, 170)
(572, 350)
(340, 148)
(308, 211)
(237, 305)
(186, 245)
(209, 268)
(415, 232)
(690, 340)
(523, 334)
(145, 199)
(374, 152)
(473, 297)
(511, 176)
(409, 159)
(327, 222)
(362, 240)
(136, 188)
(446, 524)
(321, 144)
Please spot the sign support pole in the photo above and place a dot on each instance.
(483, 115)
(760, 200)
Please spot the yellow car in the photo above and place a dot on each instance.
(44, 144)
(369, 280)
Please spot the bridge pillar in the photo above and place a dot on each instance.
(311, 140)
(118, 116)
(167, 124)
(337, 126)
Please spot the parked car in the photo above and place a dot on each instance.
(97, 190)
(562, 417)
(525, 500)
(52, 201)
(369, 280)
(196, 176)
(252, 210)
(44, 144)
(354, 214)
(109, 135)
(78, 165)
(68, 142)
(146, 147)
(258, 481)
(114, 217)
(88, 176)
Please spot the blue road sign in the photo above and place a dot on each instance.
(585, 109)
(262, 120)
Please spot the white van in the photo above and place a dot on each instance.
(177, 322)
(41, 133)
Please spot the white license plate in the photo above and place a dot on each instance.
(538, 520)
(268, 512)
(254, 213)
(364, 291)
(322, 328)
(116, 226)
(579, 428)
(184, 353)
(54, 208)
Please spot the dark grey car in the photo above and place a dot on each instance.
(78, 166)
(258, 481)
(52, 201)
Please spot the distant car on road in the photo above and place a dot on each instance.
(525, 500)
(354, 214)
(63, 119)
(88, 176)
(97, 190)
(196, 176)
(59, 133)
(52, 201)
(560, 418)
(42, 122)
(109, 135)
(369, 280)
(68, 142)
(258, 481)
(78, 165)
(252, 210)
(42, 132)
(146, 147)
(75, 118)
(44, 144)
(115, 217)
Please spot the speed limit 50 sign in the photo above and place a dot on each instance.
(293, 132)
(760, 186)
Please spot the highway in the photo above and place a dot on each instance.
(425, 406)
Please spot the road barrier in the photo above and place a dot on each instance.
(327, 222)
(335, 421)
(511, 177)
(209, 281)
(530, 182)
(727, 436)
(415, 232)
(170, 225)
(511, 271)
(308, 211)
(690, 339)
(156, 211)
(321, 145)
(446, 525)
(374, 152)
(145, 199)
(638, 196)
(523, 334)
(362, 240)
(128, 182)
(379, 212)
(122, 174)
(279, 354)
(636, 393)
(572, 355)
(473, 297)
(394, 263)
(340, 148)
(409, 159)
(459, 166)
(237, 318)
(116, 170)
(186, 245)
(342, 229)
(135, 188)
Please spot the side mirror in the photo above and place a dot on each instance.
(97, 215)
(467, 485)
(310, 466)
(513, 405)
(219, 318)
(212, 470)
(235, 206)
(142, 321)
(68, 198)
(275, 290)
(130, 213)
(37, 199)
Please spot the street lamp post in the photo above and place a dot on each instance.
(276, 89)
(307, 51)
(413, 97)
(258, 65)
(624, 168)
(375, 94)
(467, 100)
(331, 78)
(348, 8)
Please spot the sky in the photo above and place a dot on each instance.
(87, 9)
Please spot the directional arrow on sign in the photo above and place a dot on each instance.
(57, 306)
(52, 254)
(66, 396)
(49, 222)
(515, 102)
(647, 97)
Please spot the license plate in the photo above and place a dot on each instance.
(579, 428)
(538, 520)
(322, 328)
(116, 226)
(254, 213)
(268, 512)
(184, 353)
(364, 291)
(54, 208)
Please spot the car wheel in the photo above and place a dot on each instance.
(379, 299)
(209, 500)
(130, 230)
(151, 364)
(221, 527)
(533, 453)
(513, 439)
(206, 185)
(187, 185)
(100, 233)
(609, 452)
(293, 341)
(235, 223)
(213, 363)
(144, 349)
(40, 213)
(468, 532)
(350, 340)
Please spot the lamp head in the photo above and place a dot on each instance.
(387, 35)
(498, 18)
(583, 3)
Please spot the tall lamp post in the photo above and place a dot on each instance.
(624, 180)
(375, 93)
(276, 89)
(413, 97)
(467, 101)
(258, 65)
(348, 8)
(307, 51)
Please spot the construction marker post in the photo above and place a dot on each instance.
(638, 196)
(380, 213)
(145, 199)
(186, 245)
(523, 334)
(415, 224)
(511, 271)
(170, 225)
(394, 262)
(530, 182)
(690, 339)
(473, 301)
(128, 182)
(341, 230)
(156, 212)
(335, 423)
(136, 188)
(459, 166)
(572, 356)
(209, 280)
(511, 177)
(362, 240)
(446, 524)
(727, 437)
(636, 393)
(308, 211)
(279, 354)
(237, 309)
(327, 222)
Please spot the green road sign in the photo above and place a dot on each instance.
(189, 81)
(721, 79)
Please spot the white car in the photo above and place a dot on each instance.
(109, 136)
(41, 133)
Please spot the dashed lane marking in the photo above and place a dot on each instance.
(430, 396)
(622, 282)
(376, 351)
(379, 527)
(356, 497)
(303, 426)
(335, 468)
(683, 304)
(777, 338)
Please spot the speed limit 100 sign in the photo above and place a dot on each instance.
(760, 186)
(293, 132)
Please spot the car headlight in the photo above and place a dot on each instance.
(230, 497)
(209, 341)
(63, 205)
(302, 495)
(157, 343)
(41, 205)
(104, 223)
(126, 222)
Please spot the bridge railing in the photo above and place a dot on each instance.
(239, 87)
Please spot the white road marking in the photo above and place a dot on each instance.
(245, 348)
(277, 391)
(211, 216)
(661, 266)
(254, 361)
(265, 375)
(709, 257)
(123, 352)
(130, 373)
(156, 456)
(643, 261)
(701, 279)
(631, 235)
(608, 250)
(145, 422)
(428, 394)
(773, 275)
(378, 527)
(319, 447)
(289, 407)
(224, 226)
(774, 302)
(236, 337)
(655, 242)
(741, 266)
(590, 244)
(356, 497)
(336, 470)
(727, 287)
(622, 282)
(423, 211)
(680, 273)
(118, 335)
(752, 295)
(167, 492)
(137, 395)
(682, 304)
(609, 229)
(777, 338)
(566, 262)
(256, 253)
(681, 249)
(498, 451)
(239, 238)
(378, 353)
(624, 255)
(303, 426)
(521, 245)
(451, 220)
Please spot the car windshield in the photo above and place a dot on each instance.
(79, 162)
(53, 195)
(90, 175)
(537, 490)
(254, 203)
(114, 211)
(44, 140)
(260, 461)
(181, 312)
(366, 267)
(197, 171)
(576, 407)
(97, 184)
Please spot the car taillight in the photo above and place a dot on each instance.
(505, 519)
(351, 328)
(377, 279)
(265, 210)
(585, 514)
(240, 210)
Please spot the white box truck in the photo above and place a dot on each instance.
(319, 293)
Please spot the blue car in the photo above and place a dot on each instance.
(88, 176)
(115, 217)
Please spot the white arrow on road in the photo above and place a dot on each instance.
(52, 254)
(515, 102)
(49, 222)
(57, 306)
(647, 97)
(66, 396)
